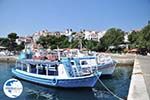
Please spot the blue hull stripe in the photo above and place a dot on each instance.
(86, 82)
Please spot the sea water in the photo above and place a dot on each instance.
(118, 83)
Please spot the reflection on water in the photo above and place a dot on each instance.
(59, 94)
(118, 83)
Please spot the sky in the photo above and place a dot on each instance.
(28, 16)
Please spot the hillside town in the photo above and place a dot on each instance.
(90, 40)
(31, 41)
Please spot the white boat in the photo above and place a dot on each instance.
(107, 65)
(90, 64)
(57, 74)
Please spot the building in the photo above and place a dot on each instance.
(93, 35)
(37, 35)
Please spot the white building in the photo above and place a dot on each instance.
(101, 34)
(126, 38)
(37, 35)
(68, 32)
(93, 35)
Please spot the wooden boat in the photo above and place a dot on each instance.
(57, 73)
(93, 62)
(90, 64)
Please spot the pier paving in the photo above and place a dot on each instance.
(144, 62)
(140, 80)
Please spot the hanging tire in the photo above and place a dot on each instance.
(54, 81)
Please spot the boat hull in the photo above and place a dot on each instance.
(107, 69)
(88, 81)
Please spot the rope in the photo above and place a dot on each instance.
(119, 98)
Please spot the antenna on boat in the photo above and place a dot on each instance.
(58, 52)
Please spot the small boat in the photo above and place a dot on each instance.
(90, 64)
(93, 62)
(57, 73)
(106, 64)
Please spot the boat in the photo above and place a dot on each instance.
(57, 73)
(106, 65)
(89, 61)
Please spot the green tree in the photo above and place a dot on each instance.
(145, 33)
(4, 42)
(74, 44)
(20, 46)
(43, 40)
(90, 44)
(12, 36)
(134, 38)
(12, 41)
(140, 39)
(113, 37)
(54, 41)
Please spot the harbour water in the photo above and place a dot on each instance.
(118, 83)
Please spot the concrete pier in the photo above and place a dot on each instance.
(8, 59)
(140, 81)
(123, 59)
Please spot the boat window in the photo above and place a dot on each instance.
(53, 70)
(84, 63)
(24, 67)
(55, 65)
(18, 65)
(42, 69)
(33, 68)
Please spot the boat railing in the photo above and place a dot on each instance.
(38, 67)
(76, 72)
(87, 71)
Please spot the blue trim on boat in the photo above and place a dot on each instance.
(67, 83)
(87, 57)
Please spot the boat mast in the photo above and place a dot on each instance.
(58, 52)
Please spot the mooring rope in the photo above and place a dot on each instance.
(109, 89)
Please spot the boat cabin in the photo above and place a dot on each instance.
(84, 64)
(65, 68)
(38, 67)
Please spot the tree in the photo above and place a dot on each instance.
(20, 47)
(43, 40)
(90, 44)
(145, 33)
(12, 36)
(4, 42)
(54, 41)
(134, 38)
(113, 37)
(141, 39)
(12, 41)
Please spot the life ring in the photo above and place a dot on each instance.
(54, 81)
